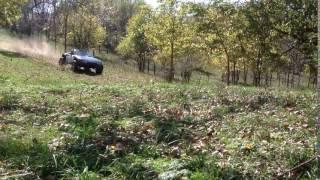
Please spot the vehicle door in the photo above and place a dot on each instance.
(69, 59)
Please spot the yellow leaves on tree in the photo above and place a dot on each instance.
(10, 11)
(85, 30)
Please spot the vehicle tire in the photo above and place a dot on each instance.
(62, 61)
(99, 69)
(75, 67)
(87, 69)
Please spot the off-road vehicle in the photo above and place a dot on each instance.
(81, 60)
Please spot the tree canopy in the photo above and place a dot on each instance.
(10, 11)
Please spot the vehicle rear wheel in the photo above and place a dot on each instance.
(99, 69)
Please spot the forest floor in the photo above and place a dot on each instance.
(127, 125)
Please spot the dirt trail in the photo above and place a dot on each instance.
(33, 47)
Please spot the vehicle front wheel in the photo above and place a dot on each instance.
(62, 61)
(75, 67)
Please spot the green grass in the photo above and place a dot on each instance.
(128, 125)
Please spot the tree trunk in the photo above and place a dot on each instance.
(299, 79)
(172, 41)
(318, 99)
(259, 73)
(314, 83)
(171, 73)
(292, 80)
(293, 70)
(256, 75)
(31, 23)
(55, 23)
(288, 78)
(245, 73)
(254, 78)
(148, 65)
(65, 32)
(310, 77)
(74, 37)
(266, 78)
(228, 71)
(279, 78)
(143, 62)
(234, 73)
(154, 68)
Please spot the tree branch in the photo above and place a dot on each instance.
(298, 167)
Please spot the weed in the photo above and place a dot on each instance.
(88, 175)
(167, 130)
(220, 112)
(9, 100)
(84, 125)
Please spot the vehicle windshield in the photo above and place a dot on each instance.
(81, 52)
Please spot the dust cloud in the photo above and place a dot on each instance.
(36, 47)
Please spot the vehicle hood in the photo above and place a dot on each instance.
(88, 59)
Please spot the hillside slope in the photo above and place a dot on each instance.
(126, 125)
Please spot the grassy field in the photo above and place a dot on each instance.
(55, 124)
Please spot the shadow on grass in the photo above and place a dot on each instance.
(28, 156)
(89, 149)
(9, 101)
(102, 149)
(12, 54)
(111, 151)
(87, 72)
